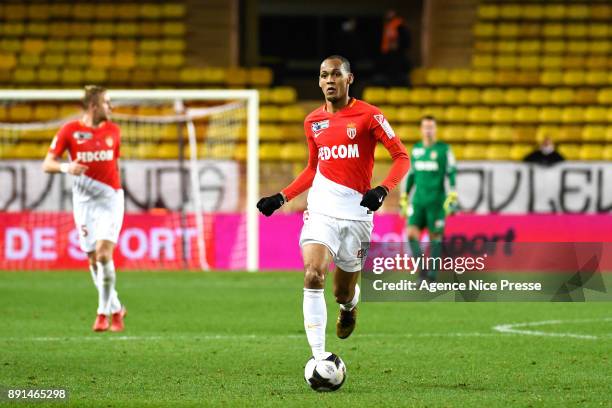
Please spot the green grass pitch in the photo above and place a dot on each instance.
(236, 339)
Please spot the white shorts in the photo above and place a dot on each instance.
(99, 219)
(347, 240)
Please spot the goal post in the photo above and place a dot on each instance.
(249, 104)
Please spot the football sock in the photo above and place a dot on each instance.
(351, 305)
(415, 248)
(115, 304)
(315, 320)
(106, 286)
(435, 252)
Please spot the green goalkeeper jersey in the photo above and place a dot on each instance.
(429, 167)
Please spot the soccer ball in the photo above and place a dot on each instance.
(325, 375)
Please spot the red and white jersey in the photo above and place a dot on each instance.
(341, 147)
(98, 149)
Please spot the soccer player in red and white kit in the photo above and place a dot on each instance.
(342, 135)
(97, 197)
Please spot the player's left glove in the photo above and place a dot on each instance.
(374, 198)
(268, 205)
(450, 204)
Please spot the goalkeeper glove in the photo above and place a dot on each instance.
(374, 198)
(268, 205)
(450, 204)
(403, 203)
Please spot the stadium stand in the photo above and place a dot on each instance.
(538, 68)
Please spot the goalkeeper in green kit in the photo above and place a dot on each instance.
(432, 162)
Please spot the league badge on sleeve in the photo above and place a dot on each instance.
(319, 127)
(385, 125)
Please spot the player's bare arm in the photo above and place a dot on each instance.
(51, 164)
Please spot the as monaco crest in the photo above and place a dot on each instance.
(109, 141)
(351, 130)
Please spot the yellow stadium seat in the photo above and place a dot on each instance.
(483, 77)
(33, 46)
(125, 29)
(604, 96)
(436, 111)
(552, 62)
(577, 11)
(260, 76)
(591, 152)
(292, 132)
(498, 152)
(532, 12)
(17, 12)
(284, 95)
(488, 11)
(502, 115)
(38, 11)
(519, 151)
(78, 60)
(270, 133)
(569, 151)
(553, 30)
(173, 29)
(408, 114)
(214, 75)
(572, 115)
(510, 11)
(468, 96)
(104, 29)
(577, 47)
(553, 47)
(24, 75)
(492, 96)
(573, 62)
(417, 77)
(479, 114)
(501, 134)
(551, 77)
(562, 96)
(529, 46)
(381, 154)
(436, 76)
(146, 60)
(176, 60)
(599, 77)
(477, 134)
(94, 76)
(484, 30)
(409, 133)
(595, 114)
(453, 134)
(168, 151)
(124, 60)
(609, 115)
(390, 112)
(420, 96)
(570, 133)
(71, 76)
(291, 113)
(173, 10)
(44, 112)
(475, 151)
(576, 30)
(458, 151)
(554, 11)
(269, 151)
(526, 114)
(456, 114)
(240, 152)
(598, 30)
(524, 134)
(600, 47)
(397, 96)
(294, 152)
(547, 131)
(550, 115)
(573, 78)
(460, 77)
(194, 75)
(150, 11)
(538, 96)
(585, 96)
(515, 96)
(10, 45)
(506, 61)
(375, 95)
(531, 62)
(598, 62)
(483, 61)
(105, 11)
(48, 75)
(507, 30)
(175, 45)
(13, 29)
(29, 150)
(594, 134)
(20, 113)
(236, 76)
(149, 29)
(607, 153)
(7, 61)
(445, 95)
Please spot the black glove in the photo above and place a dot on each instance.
(268, 205)
(374, 198)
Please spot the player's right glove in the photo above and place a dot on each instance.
(268, 205)
(403, 203)
(374, 198)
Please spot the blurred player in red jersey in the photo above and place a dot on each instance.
(97, 197)
(342, 135)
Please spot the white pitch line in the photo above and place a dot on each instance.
(515, 328)
(234, 337)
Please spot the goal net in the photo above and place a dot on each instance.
(189, 170)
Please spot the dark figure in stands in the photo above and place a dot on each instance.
(545, 155)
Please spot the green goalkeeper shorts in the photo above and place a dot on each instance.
(431, 216)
